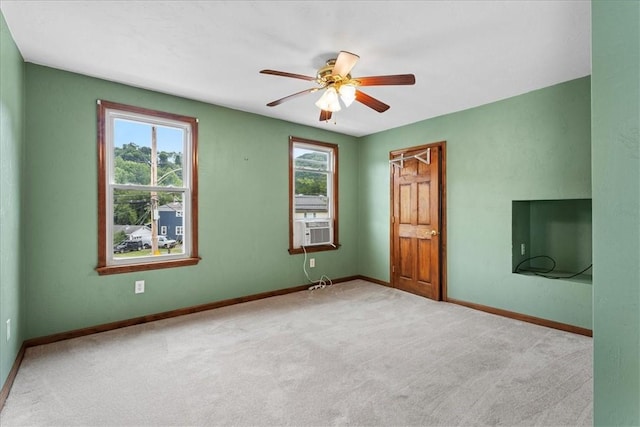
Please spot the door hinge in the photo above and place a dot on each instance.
(393, 268)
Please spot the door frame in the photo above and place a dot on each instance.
(442, 250)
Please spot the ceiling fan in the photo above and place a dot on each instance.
(338, 85)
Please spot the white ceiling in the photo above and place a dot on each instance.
(463, 53)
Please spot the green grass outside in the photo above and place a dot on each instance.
(147, 252)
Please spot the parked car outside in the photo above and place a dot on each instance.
(128, 246)
(163, 242)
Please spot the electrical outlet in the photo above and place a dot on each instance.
(312, 262)
(523, 249)
(139, 286)
(8, 329)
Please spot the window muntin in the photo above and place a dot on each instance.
(147, 163)
(313, 189)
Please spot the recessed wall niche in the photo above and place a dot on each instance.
(552, 234)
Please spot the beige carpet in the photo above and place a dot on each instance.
(350, 354)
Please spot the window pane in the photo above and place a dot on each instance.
(132, 153)
(311, 195)
(311, 183)
(311, 159)
(138, 215)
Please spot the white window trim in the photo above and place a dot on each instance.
(329, 173)
(111, 116)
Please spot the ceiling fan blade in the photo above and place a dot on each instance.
(285, 74)
(371, 102)
(325, 115)
(398, 79)
(344, 63)
(286, 98)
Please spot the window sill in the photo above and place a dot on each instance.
(130, 268)
(311, 249)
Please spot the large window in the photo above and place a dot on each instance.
(147, 166)
(313, 195)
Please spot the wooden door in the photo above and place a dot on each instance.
(416, 221)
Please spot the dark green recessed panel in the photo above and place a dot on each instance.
(552, 235)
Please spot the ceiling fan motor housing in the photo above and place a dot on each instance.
(325, 78)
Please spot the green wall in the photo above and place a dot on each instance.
(11, 149)
(616, 211)
(562, 229)
(243, 208)
(532, 146)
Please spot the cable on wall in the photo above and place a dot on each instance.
(323, 282)
(544, 273)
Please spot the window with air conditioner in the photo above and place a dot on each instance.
(313, 233)
(313, 184)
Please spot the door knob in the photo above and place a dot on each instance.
(434, 232)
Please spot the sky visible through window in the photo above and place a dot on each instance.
(169, 139)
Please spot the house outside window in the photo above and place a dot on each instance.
(169, 219)
(147, 161)
(313, 183)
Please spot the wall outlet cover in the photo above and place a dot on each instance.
(139, 286)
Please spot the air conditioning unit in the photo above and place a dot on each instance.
(313, 233)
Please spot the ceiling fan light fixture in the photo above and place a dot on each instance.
(347, 94)
(329, 100)
(339, 89)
